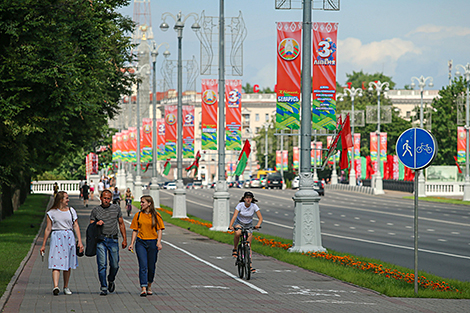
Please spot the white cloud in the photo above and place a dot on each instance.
(373, 57)
(436, 32)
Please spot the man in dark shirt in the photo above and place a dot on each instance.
(85, 193)
(110, 218)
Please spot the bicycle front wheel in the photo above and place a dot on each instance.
(240, 259)
(247, 261)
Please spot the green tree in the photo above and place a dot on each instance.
(444, 121)
(62, 73)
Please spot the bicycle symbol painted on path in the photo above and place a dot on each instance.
(424, 147)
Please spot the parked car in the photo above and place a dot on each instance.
(171, 186)
(197, 184)
(274, 180)
(296, 182)
(319, 187)
(189, 186)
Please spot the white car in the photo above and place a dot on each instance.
(171, 186)
(296, 182)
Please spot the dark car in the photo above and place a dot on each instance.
(274, 180)
(318, 187)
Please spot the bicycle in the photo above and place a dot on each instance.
(243, 261)
(129, 206)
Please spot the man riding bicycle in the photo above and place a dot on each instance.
(116, 196)
(243, 216)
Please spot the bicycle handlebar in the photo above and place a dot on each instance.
(244, 228)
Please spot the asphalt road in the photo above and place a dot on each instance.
(379, 227)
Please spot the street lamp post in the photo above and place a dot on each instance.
(141, 72)
(266, 125)
(421, 83)
(353, 92)
(154, 192)
(307, 232)
(179, 201)
(466, 186)
(378, 176)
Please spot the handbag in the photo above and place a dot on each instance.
(77, 248)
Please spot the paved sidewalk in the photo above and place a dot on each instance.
(196, 274)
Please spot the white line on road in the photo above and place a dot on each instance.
(213, 266)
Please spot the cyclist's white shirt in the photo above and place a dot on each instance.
(245, 214)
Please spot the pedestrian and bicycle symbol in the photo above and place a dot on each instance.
(416, 148)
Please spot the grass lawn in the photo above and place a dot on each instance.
(440, 199)
(17, 233)
(386, 278)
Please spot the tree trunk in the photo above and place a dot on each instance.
(7, 204)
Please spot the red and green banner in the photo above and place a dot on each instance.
(243, 158)
(324, 75)
(357, 154)
(461, 144)
(132, 144)
(233, 114)
(383, 147)
(125, 145)
(161, 139)
(285, 160)
(170, 131)
(278, 159)
(146, 140)
(114, 148)
(373, 151)
(209, 103)
(318, 152)
(289, 38)
(188, 131)
(119, 146)
(296, 157)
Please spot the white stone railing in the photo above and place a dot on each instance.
(47, 186)
(444, 189)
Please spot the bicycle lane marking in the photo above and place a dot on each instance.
(214, 267)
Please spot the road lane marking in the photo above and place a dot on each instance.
(214, 266)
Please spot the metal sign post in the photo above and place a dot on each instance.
(416, 149)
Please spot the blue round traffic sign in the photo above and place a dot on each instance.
(416, 148)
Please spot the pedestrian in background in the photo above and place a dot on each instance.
(85, 193)
(61, 222)
(110, 218)
(92, 189)
(147, 226)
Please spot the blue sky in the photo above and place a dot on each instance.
(401, 38)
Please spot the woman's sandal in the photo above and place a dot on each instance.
(143, 293)
(234, 253)
(149, 292)
(253, 270)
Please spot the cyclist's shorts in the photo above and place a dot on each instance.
(237, 222)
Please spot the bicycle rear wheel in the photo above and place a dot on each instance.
(241, 266)
(247, 261)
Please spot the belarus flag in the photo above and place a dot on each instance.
(243, 158)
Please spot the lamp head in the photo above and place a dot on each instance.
(431, 84)
(458, 73)
(195, 26)
(386, 88)
(413, 85)
(166, 54)
(164, 26)
(370, 88)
